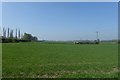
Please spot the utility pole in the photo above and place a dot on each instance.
(97, 35)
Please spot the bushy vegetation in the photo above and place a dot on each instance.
(59, 60)
(29, 37)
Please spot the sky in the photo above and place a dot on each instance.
(63, 20)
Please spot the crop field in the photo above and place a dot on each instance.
(59, 60)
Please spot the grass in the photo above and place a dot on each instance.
(59, 60)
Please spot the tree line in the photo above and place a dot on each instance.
(9, 36)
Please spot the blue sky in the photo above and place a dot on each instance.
(63, 21)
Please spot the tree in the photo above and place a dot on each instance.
(19, 33)
(16, 34)
(29, 37)
(4, 33)
(11, 34)
(34, 38)
(8, 33)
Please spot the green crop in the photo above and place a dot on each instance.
(59, 60)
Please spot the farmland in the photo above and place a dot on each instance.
(59, 60)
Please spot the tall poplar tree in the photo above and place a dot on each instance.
(8, 33)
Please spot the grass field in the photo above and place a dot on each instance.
(59, 60)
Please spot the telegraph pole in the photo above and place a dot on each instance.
(97, 35)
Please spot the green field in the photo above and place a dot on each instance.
(59, 60)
